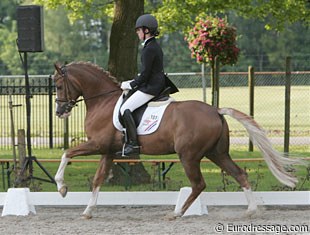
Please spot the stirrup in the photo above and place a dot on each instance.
(129, 150)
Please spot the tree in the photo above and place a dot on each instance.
(177, 15)
(8, 50)
(174, 16)
(123, 40)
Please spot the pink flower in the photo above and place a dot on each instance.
(211, 37)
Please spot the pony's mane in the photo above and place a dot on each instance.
(97, 67)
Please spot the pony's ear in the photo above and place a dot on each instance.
(58, 68)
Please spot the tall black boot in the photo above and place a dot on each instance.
(131, 146)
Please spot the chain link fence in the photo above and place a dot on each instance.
(269, 104)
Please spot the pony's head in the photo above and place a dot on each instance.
(66, 95)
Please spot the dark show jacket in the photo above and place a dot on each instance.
(151, 79)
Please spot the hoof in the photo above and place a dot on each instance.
(250, 213)
(85, 216)
(172, 216)
(63, 191)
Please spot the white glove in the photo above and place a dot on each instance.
(126, 85)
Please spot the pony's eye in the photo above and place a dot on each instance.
(59, 88)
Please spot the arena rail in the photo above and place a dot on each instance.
(293, 198)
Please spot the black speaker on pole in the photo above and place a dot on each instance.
(30, 28)
(30, 39)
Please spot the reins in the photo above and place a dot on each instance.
(96, 96)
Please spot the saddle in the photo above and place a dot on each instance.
(156, 101)
(147, 117)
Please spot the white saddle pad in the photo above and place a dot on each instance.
(150, 120)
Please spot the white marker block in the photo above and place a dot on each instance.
(197, 208)
(17, 202)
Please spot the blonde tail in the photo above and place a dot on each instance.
(275, 160)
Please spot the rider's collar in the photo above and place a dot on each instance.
(146, 40)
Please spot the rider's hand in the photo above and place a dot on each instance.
(126, 85)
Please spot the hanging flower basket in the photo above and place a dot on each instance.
(211, 37)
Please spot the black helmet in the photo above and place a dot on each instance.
(149, 22)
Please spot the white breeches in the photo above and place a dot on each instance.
(135, 101)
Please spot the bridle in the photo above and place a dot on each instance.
(69, 102)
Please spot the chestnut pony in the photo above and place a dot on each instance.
(192, 129)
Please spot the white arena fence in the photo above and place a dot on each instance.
(165, 198)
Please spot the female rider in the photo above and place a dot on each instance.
(147, 85)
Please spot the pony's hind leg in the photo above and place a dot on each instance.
(225, 162)
(101, 174)
(192, 170)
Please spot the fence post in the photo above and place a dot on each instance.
(287, 104)
(204, 85)
(251, 95)
(50, 109)
(21, 145)
(66, 133)
(215, 74)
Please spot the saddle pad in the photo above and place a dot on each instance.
(151, 117)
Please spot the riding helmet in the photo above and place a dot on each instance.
(149, 22)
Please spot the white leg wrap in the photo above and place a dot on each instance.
(252, 206)
(59, 177)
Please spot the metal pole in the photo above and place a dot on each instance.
(50, 115)
(287, 104)
(12, 132)
(251, 95)
(28, 114)
(203, 78)
(217, 81)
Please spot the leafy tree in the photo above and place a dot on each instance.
(176, 54)
(273, 15)
(8, 50)
(8, 12)
(178, 15)
(123, 40)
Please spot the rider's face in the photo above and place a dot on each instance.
(140, 33)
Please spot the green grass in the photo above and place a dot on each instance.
(78, 176)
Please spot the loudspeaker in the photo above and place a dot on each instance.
(30, 28)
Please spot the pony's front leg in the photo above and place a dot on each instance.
(86, 148)
(101, 174)
(59, 177)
